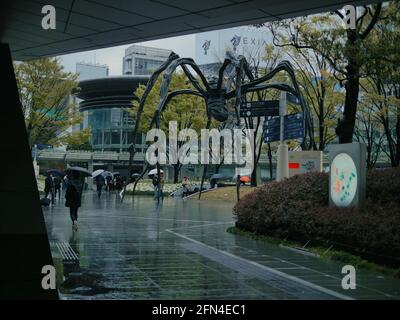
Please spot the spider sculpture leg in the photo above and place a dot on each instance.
(166, 96)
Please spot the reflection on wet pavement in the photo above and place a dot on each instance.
(179, 249)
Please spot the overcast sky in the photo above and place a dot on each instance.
(182, 45)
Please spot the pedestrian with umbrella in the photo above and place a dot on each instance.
(244, 179)
(73, 194)
(56, 177)
(156, 182)
(99, 179)
(49, 187)
(107, 179)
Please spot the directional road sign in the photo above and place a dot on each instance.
(266, 108)
(293, 128)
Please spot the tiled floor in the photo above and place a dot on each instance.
(181, 250)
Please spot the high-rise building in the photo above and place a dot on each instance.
(143, 61)
(85, 71)
(89, 71)
(211, 46)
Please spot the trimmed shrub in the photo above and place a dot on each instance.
(297, 209)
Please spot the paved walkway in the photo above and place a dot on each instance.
(181, 250)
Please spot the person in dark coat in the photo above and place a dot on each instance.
(49, 187)
(73, 196)
(57, 187)
(99, 184)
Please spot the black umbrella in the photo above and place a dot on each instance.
(54, 172)
(80, 170)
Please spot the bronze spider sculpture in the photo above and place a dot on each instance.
(234, 81)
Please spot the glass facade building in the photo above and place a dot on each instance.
(104, 103)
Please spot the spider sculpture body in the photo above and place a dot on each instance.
(234, 81)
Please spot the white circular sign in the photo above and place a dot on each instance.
(343, 186)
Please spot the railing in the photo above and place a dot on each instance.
(83, 155)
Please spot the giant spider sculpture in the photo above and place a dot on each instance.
(234, 81)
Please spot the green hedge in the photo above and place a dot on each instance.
(297, 209)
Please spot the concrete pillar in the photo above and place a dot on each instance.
(282, 170)
(24, 243)
(258, 172)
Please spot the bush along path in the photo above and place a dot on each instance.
(297, 209)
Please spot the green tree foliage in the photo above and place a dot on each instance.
(345, 50)
(79, 140)
(44, 90)
(187, 110)
(381, 89)
(320, 90)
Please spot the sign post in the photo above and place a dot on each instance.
(263, 108)
(282, 170)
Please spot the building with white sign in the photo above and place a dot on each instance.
(143, 61)
(211, 47)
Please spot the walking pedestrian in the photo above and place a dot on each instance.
(57, 187)
(73, 196)
(99, 184)
(108, 183)
(155, 181)
(49, 187)
(185, 186)
(161, 186)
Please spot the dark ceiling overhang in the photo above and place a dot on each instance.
(91, 24)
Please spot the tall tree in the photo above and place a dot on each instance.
(369, 129)
(44, 90)
(320, 90)
(344, 49)
(382, 86)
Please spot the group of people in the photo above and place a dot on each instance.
(158, 185)
(52, 187)
(72, 183)
(110, 183)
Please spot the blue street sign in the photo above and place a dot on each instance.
(292, 98)
(294, 134)
(271, 137)
(294, 121)
(273, 122)
(293, 128)
(266, 108)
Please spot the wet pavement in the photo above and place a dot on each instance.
(179, 249)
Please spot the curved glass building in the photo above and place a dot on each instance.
(103, 103)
